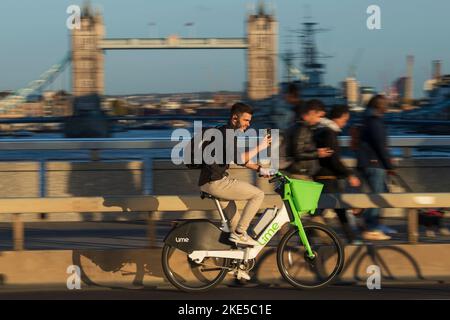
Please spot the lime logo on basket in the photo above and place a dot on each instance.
(269, 234)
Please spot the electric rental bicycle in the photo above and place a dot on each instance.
(197, 254)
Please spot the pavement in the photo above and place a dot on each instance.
(52, 236)
(388, 291)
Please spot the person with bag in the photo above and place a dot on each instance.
(333, 173)
(214, 178)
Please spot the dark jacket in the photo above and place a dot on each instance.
(326, 137)
(302, 149)
(373, 150)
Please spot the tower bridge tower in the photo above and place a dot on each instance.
(87, 56)
(262, 54)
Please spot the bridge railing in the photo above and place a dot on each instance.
(165, 143)
(147, 202)
(163, 207)
(95, 146)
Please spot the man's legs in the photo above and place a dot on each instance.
(232, 213)
(334, 186)
(376, 178)
(329, 186)
(232, 189)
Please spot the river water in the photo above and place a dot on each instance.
(33, 155)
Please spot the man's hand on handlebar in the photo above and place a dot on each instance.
(278, 177)
(267, 172)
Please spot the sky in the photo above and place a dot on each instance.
(34, 36)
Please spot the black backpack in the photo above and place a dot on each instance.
(192, 149)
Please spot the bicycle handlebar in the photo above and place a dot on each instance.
(278, 177)
(274, 179)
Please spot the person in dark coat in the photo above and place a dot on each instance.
(333, 172)
(302, 147)
(374, 162)
(282, 114)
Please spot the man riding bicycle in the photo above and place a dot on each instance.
(214, 178)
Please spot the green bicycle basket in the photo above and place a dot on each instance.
(306, 195)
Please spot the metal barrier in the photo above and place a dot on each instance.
(154, 204)
(98, 144)
(170, 203)
(165, 143)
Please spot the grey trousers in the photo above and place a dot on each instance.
(229, 190)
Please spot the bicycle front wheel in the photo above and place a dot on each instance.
(304, 272)
(189, 276)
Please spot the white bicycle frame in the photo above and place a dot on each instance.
(248, 253)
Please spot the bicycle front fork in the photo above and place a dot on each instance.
(297, 222)
(303, 237)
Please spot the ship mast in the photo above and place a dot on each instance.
(311, 66)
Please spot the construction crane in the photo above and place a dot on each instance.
(46, 78)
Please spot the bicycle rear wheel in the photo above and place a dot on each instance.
(189, 276)
(303, 272)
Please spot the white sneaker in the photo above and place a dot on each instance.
(444, 231)
(242, 275)
(243, 238)
(375, 236)
(430, 233)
